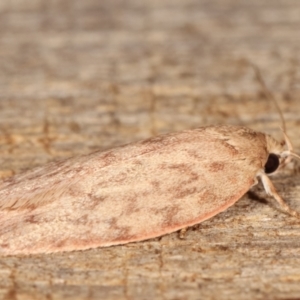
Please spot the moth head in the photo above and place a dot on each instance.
(279, 154)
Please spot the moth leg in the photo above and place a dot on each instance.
(270, 190)
(182, 233)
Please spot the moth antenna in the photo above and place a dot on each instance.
(271, 98)
(289, 154)
(287, 141)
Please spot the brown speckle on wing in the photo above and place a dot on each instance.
(130, 193)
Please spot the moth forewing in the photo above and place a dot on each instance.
(134, 192)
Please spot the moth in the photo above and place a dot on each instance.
(138, 191)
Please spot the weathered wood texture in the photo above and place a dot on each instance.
(80, 75)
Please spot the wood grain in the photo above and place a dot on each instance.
(76, 76)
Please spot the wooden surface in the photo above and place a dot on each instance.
(76, 76)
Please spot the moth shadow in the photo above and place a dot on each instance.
(256, 197)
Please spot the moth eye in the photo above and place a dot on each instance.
(272, 163)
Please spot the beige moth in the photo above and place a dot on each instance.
(137, 191)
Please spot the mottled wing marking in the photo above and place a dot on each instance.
(130, 193)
